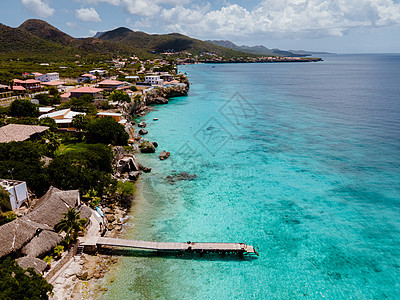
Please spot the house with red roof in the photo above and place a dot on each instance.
(87, 76)
(84, 90)
(110, 85)
(30, 85)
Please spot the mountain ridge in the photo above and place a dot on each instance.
(37, 38)
(262, 50)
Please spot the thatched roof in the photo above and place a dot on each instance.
(34, 232)
(32, 262)
(85, 211)
(17, 234)
(50, 208)
(18, 132)
(41, 244)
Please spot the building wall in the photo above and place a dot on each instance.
(48, 77)
(78, 95)
(153, 79)
(116, 118)
(18, 195)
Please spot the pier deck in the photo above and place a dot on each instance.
(225, 248)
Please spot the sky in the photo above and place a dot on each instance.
(340, 26)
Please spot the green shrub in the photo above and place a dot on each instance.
(7, 217)
(17, 283)
(58, 250)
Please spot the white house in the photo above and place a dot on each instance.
(100, 72)
(153, 80)
(63, 118)
(48, 77)
(135, 78)
(17, 190)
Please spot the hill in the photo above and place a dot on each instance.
(46, 31)
(15, 42)
(259, 50)
(38, 39)
(159, 43)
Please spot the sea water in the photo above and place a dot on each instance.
(300, 160)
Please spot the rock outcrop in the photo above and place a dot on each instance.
(147, 147)
(126, 165)
(164, 155)
(134, 175)
(158, 96)
(180, 176)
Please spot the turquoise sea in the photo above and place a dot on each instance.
(301, 160)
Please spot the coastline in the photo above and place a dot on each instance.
(298, 216)
(83, 276)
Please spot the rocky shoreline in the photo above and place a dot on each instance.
(81, 278)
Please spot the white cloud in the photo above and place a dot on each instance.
(40, 8)
(88, 15)
(72, 24)
(112, 2)
(141, 7)
(283, 18)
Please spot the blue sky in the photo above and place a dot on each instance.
(342, 26)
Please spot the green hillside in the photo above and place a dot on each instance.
(142, 42)
(36, 39)
(45, 31)
(18, 43)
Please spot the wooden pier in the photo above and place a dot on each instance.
(91, 243)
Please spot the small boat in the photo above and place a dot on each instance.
(155, 119)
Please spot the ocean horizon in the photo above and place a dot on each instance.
(300, 160)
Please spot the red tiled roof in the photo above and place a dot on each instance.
(122, 88)
(66, 95)
(88, 75)
(18, 88)
(52, 83)
(18, 81)
(31, 81)
(110, 82)
(86, 90)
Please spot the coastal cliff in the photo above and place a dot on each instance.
(158, 95)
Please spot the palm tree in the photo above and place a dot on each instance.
(71, 225)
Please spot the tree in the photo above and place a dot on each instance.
(53, 91)
(82, 104)
(7, 217)
(86, 170)
(23, 108)
(119, 96)
(107, 131)
(24, 158)
(5, 204)
(125, 192)
(71, 225)
(44, 99)
(17, 283)
(87, 98)
(80, 122)
(50, 142)
(50, 123)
